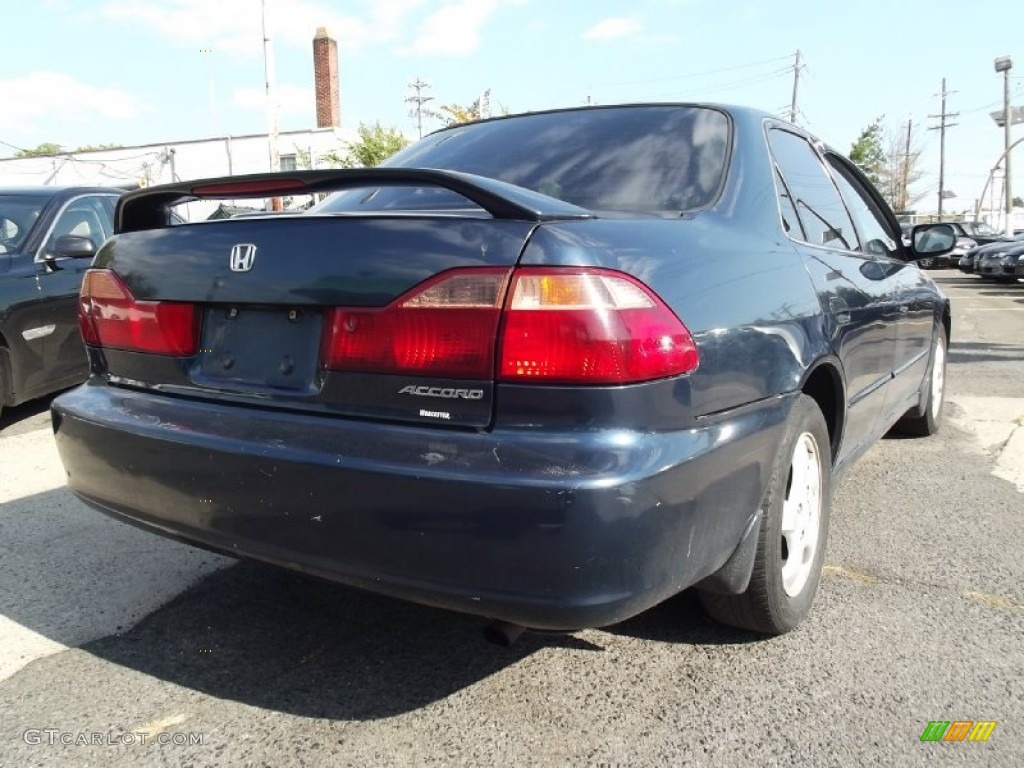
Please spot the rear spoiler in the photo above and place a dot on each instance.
(148, 208)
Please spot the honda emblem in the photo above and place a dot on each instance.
(243, 256)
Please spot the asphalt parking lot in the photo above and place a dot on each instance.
(114, 636)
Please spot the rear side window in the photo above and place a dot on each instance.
(822, 214)
(17, 216)
(658, 159)
(790, 221)
(874, 232)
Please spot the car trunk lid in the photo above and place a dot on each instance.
(272, 299)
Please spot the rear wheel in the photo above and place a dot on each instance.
(933, 394)
(791, 543)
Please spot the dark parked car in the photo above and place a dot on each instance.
(969, 261)
(550, 369)
(48, 236)
(980, 232)
(1002, 262)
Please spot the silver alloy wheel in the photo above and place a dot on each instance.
(801, 515)
(938, 377)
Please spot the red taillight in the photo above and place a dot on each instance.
(251, 188)
(589, 326)
(446, 328)
(561, 326)
(109, 316)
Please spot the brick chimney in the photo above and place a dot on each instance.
(325, 77)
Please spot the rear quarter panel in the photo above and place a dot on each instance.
(729, 273)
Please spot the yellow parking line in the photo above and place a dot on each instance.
(161, 725)
(863, 578)
(996, 602)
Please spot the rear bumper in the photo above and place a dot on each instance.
(552, 530)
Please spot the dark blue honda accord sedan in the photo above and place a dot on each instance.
(549, 369)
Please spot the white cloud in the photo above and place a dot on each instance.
(235, 26)
(291, 99)
(453, 30)
(609, 29)
(42, 95)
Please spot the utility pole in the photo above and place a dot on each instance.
(941, 128)
(796, 86)
(418, 101)
(905, 194)
(272, 134)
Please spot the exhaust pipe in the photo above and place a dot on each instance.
(503, 633)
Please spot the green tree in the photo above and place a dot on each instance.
(868, 153)
(375, 145)
(457, 114)
(97, 147)
(46, 148)
(1018, 202)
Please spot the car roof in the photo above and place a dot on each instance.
(730, 109)
(41, 191)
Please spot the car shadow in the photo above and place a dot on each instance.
(681, 620)
(1009, 292)
(295, 644)
(984, 352)
(25, 417)
(959, 281)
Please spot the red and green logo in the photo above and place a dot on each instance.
(958, 730)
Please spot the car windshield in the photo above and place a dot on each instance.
(17, 215)
(655, 159)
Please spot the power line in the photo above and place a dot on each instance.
(691, 74)
(727, 86)
(12, 146)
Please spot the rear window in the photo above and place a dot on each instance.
(659, 159)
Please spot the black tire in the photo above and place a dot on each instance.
(926, 419)
(766, 606)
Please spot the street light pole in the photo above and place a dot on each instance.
(1004, 64)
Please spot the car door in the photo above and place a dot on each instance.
(915, 323)
(60, 280)
(858, 298)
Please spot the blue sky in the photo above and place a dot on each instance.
(134, 71)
